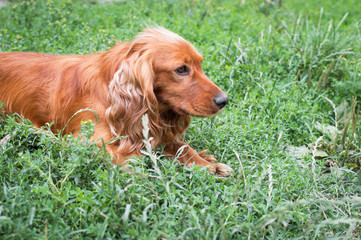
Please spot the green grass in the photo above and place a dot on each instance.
(283, 67)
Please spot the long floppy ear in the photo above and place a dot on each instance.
(130, 96)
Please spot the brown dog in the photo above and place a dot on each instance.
(158, 74)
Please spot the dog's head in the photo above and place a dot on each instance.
(158, 71)
(176, 71)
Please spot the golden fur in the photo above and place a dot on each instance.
(144, 76)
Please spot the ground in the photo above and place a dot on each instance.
(292, 70)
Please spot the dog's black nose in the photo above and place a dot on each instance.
(221, 100)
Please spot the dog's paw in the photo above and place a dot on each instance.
(220, 169)
(209, 158)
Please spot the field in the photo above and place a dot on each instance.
(291, 131)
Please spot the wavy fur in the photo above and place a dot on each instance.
(121, 85)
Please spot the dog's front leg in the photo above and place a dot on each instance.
(187, 156)
(103, 136)
(120, 158)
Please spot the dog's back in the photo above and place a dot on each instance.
(20, 83)
(41, 86)
(27, 83)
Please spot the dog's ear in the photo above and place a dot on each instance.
(130, 96)
(143, 75)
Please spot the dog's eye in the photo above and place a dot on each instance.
(183, 70)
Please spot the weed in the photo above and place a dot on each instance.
(291, 70)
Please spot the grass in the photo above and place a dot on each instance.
(288, 69)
